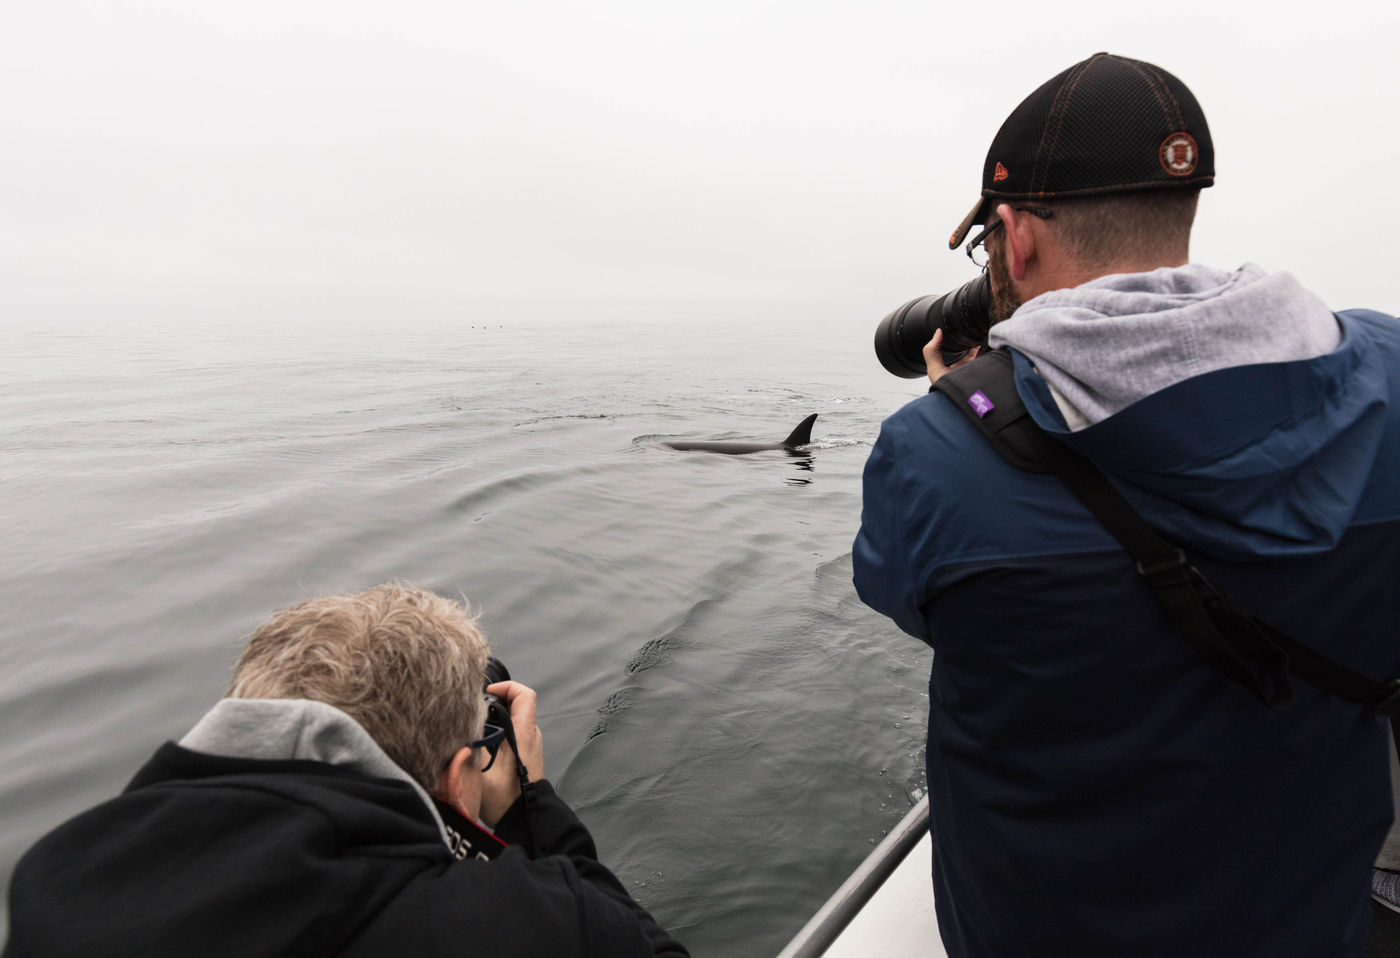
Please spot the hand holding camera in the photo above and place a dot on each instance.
(934, 361)
(963, 316)
(510, 706)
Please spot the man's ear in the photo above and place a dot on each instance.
(449, 787)
(1019, 239)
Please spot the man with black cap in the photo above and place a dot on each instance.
(1098, 787)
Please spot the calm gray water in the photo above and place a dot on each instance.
(734, 726)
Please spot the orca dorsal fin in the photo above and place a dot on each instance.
(802, 435)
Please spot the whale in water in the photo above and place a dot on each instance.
(801, 436)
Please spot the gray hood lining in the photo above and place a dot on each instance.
(1106, 344)
(283, 729)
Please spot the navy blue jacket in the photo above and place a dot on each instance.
(1096, 788)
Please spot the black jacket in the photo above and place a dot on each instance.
(207, 855)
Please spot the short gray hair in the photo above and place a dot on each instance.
(405, 663)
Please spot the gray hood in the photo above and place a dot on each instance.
(280, 729)
(1106, 344)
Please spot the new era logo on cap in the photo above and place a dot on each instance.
(1000, 174)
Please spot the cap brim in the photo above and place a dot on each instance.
(975, 218)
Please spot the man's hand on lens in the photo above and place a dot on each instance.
(933, 359)
(500, 783)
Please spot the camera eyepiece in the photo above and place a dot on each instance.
(499, 715)
(964, 315)
(496, 712)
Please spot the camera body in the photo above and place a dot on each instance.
(964, 315)
(498, 714)
(496, 711)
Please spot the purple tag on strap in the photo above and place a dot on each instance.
(980, 404)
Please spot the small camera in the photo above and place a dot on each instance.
(964, 315)
(496, 711)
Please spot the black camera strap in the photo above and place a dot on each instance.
(1226, 636)
(497, 713)
(527, 791)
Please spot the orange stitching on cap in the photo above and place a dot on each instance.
(1097, 190)
(1071, 83)
(1054, 103)
(1167, 92)
(1000, 173)
(1163, 95)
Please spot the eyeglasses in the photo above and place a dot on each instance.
(491, 741)
(977, 244)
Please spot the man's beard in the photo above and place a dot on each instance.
(1004, 298)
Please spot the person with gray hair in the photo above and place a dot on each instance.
(345, 798)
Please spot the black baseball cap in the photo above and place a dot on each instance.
(1106, 125)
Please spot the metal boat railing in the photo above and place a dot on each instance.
(857, 890)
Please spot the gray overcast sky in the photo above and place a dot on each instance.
(299, 158)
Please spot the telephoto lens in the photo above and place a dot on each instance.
(496, 711)
(964, 315)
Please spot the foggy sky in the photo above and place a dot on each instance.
(299, 158)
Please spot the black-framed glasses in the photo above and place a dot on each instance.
(976, 247)
(491, 741)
